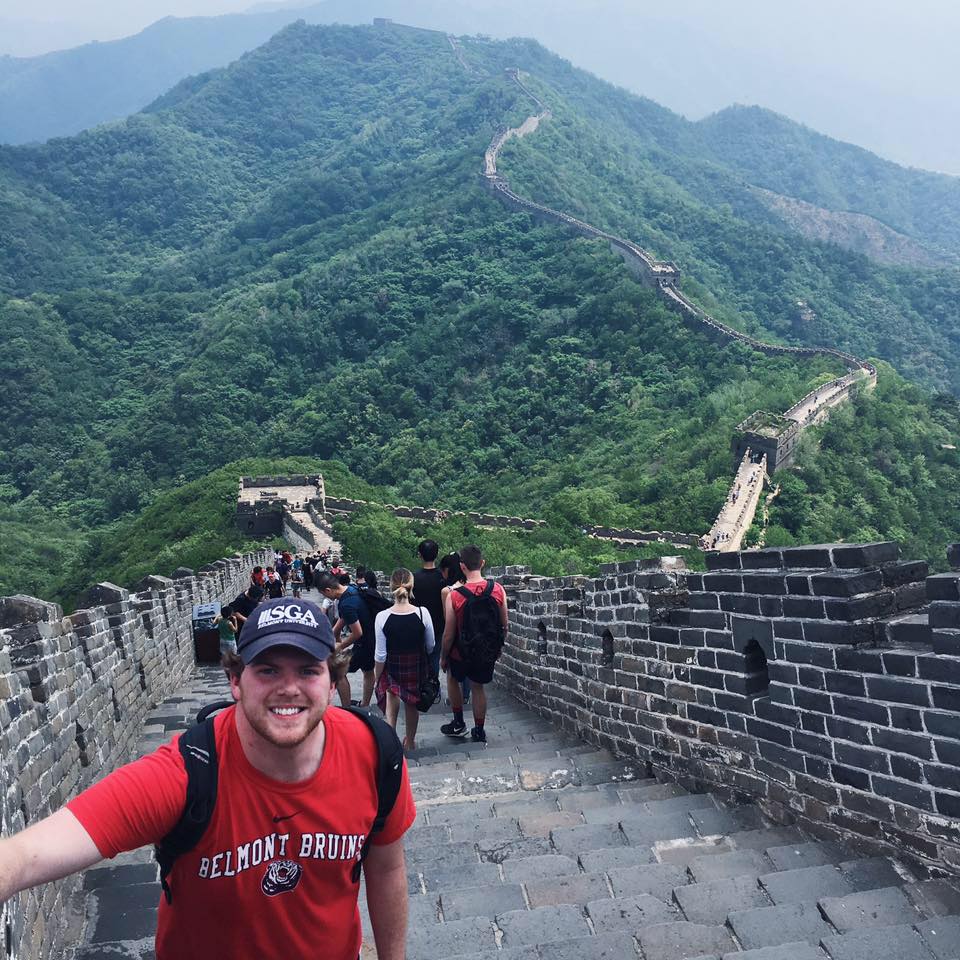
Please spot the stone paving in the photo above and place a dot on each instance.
(536, 846)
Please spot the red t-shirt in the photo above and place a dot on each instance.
(458, 600)
(270, 878)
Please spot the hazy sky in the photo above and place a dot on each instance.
(844, 25)
(114, 15)
(881, 73)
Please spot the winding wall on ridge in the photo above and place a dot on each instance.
(664, 278)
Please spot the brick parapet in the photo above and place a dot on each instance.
(74, 694)
(778, 676)
(298, 534)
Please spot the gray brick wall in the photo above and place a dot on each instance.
(74, 693)
(821, 682)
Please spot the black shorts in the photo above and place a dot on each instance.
(461, 671)
(361, 657)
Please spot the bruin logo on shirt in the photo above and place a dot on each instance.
(286, 613)
(281, 876)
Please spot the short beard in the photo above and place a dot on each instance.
(264, 732)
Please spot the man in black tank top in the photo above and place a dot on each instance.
(427, 587)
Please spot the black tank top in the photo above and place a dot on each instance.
(427, 590)
(405, 632)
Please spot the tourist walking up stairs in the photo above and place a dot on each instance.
(476, 624)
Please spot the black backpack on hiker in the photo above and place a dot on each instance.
(480, 640)
(376, 602)
(199, 750)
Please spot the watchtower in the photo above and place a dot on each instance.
(767, 433)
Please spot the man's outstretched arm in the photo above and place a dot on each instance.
(48, 850)
(385, 874)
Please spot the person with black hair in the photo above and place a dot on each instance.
(453, 577)
(476, 629)
(428, 584)
(274, 585)
(353, 617)
(224, 621)
(243, 604)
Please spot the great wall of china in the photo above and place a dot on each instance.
(762, 438)
(821, 684)
(763, 441)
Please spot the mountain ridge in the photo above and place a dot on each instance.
(372, 302)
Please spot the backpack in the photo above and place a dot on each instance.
(376, 602)
(199, 750)
(481, 630)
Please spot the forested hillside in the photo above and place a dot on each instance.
(294, 256)
(61, 93)
(774, 152)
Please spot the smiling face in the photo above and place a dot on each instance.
(282, 695)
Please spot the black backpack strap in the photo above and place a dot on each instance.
(488, 589)
(464, 592)
(199, 751)
(389, 775)
(212, 708)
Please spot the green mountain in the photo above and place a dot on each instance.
(61, 93)
(295, 256)
(883, 84)
(772, 151)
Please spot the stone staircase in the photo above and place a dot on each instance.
(537, 846)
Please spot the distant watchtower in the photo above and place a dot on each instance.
(770, 434)
(382, 22)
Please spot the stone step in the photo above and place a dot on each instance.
(651, 809)
(788, 951)
(935, 898)
(795, 856)
(605, 946)
(942, 935)
(118, 950)
(631, 914)
(458, 937)
(787, 923)
(887, 907)
(542, 925)
(709, 903)
(574, 889)
(911, 630)
(681, 940)
(904, 942)
(724, 866)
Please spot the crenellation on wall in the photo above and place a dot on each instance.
(822, 682)
(74, 693)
